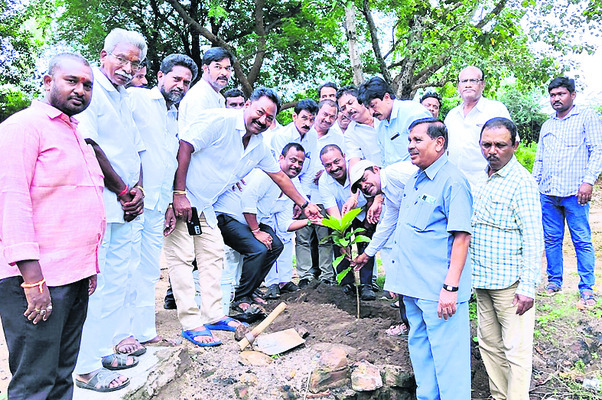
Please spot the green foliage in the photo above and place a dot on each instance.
(525, 154)
(525, 109)
(11, 101)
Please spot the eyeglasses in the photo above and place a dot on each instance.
(124, 61)
(471, 81)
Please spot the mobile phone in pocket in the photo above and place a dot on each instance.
(194, 226)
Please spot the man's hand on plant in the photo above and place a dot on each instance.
(349, 205)
(358, 262)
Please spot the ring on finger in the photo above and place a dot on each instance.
(43, 312)
(36, 309)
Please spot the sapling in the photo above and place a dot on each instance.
(344, 236)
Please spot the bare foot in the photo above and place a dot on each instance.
(128, 345)
(203, 338)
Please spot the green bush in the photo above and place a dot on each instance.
(525, 154)
(11, 101)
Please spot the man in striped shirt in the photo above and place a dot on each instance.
(506, 248)
(567, 163)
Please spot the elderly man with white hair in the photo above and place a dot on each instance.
(108, 125)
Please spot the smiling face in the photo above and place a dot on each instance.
(497, 148)
(334, 164)
(369, 184)
(120, 65)
(327, 115)
(259, 115)
(381, 109)
(175, 83)
(471, 84)
(303, 121)
(69, 89)
(561, 100)
(292, 163)
(218, 73)
(424, 150)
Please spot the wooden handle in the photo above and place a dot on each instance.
(264, 324)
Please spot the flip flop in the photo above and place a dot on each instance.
(134, 342)
(104, 377)
(222, 325)
(190, 335)
(586, 301)
(107, 362)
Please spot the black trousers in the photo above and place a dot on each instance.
(42, 356)
(257, 259)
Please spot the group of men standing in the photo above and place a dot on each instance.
(86, 205)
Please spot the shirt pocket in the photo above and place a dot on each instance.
(571, 140)
(421, 215)
(497, 214)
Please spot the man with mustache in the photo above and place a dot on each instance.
(465, 121)
(506, 248)
(109, 127)
(246, 220)
(567, 163)
(51, 228)
(299, 131)
(217, 150)
(154, 111)
(335, 188)
(432, 102)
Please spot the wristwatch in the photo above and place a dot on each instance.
(305, 205)
(450, 288)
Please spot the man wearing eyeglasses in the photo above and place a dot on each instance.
(108, 125)
(465, 122)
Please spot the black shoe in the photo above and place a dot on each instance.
(169, 303)
(366, 293)
(273, 292)
(328, 282)
(303, 283)
(349, 290)
(258, 293)
(290, 287)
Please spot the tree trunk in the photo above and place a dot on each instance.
(350, 30)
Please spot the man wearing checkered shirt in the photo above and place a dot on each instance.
(506, 249)
(567, 163)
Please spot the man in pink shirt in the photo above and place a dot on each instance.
(52, 221)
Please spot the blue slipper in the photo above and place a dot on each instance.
(222, 325)
(190, 335)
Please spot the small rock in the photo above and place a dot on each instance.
(249, 379)
(302, 331)
(334, 358)
(241, 391)
(287, 392)
(366, 377)
(255, 358)
(396, 376)
(240, 332)
(331, 371)
(291, 374)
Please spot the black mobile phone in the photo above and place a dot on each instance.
(194, 226)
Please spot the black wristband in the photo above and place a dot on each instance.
(450, 288)
(305, 205)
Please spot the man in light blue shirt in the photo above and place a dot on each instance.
(435, 214)
(395, 116)
(567, 163)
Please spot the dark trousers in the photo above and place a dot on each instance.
(257, 259)
(42, 356)
(367, 270)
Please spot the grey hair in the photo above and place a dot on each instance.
(119, 35)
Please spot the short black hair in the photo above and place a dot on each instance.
(375, 88)
(435, 129)
(499, 122)
(56, 60)
(348, 89)
(562, 81)
(217, 54)
(330, 147)
(234, 92)
(327, 84)
(179, 59)
(433, 95)
(266, 92)
(330, 102)
(308, 105)
(294, 145)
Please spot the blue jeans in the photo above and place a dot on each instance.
(554, 212)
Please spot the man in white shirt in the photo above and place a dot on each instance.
(235, 98)
(246, 221)
(154, 111)
(108, 125)
(216, 151)
(464, 124)
(335, 189)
